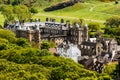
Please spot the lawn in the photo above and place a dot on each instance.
(99, 13)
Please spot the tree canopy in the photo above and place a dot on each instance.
(94, 26)
(21, 12)
(113, 21)
(20, 61)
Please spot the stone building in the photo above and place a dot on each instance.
(90, 48)
(98, 46)
(50, 30)
(118, 69)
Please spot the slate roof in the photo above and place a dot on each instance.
(89, 43)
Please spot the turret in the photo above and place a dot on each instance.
(85, 32)
(67, 23)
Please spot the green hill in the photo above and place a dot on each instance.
(100, 11)
(90, 10)
(42, 3)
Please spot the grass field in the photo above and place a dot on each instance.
(99, 13)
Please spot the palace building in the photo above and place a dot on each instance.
(50, 30)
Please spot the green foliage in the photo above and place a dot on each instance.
(7, 11)
(16, 2)
(2, 40)
(11, 12)
(45, 45)
(3, 46)
(17, 61)
(8, 35)
(44, 52)
(10, 70)
(22, 12)
(33, 10)
(113, 33)
(22, 42)
(113, 21)
(111, 70)
(94, 26)
(52, 44)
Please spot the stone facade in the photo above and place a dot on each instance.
(50, 30)
(32, 36)
(99, 46)
(90, 48)
(60, 32)
(119, 68)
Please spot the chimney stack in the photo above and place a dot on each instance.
(62, 21)
(47, 19)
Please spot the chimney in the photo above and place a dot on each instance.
(47, 19)
(62, 21)
(53, 20)
(67, 23)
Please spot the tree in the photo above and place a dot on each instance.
(80, 22)
(45, 45)
(94, 26)
(113, 21)
(16, 2)
(8, 35)
(52, 44)
(22, 42)
(22, 12)
(111, 70)
(33, 10)
(3, 46)
(8, 13)
(1, 1)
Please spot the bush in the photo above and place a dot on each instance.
(22, 42)
(94, 26)
(113, 21)
(45, 45)
(33, 10)
(8, 35)
(3, 46)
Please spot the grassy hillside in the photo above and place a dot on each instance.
(42, 3)
(99, 13)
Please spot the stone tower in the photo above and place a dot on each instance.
(85, 33)
(37, 36)
(78, 34)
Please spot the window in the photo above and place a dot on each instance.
(81, 46)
